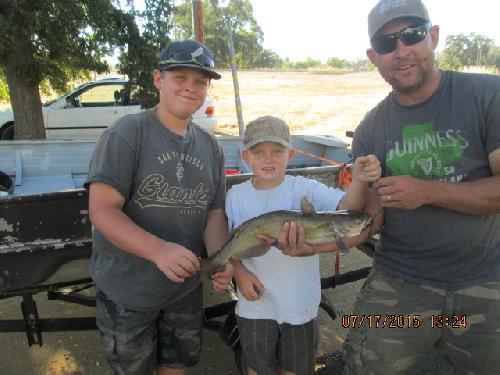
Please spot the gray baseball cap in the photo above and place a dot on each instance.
(188, 53)
(267, 129)
(389, 10)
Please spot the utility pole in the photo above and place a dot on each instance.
(224, 4)
(198, 24)
(239, 112)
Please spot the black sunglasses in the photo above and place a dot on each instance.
(202, 60)
(411, 35)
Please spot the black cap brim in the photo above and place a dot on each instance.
(211, 73)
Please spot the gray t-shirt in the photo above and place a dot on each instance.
(446, 138)
(169, 183)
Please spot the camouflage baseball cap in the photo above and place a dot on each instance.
(389, 10)
(267, 129)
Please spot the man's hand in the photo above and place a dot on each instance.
(222, 279)
(176, 262)
(291, 241)
(403, 192)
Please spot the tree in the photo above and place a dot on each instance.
(60, 40)
(48, 39)
(462, 50)
(493, 57)
(4, 89)
(140, 51)
(247, 34)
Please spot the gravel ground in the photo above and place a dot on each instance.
(75, 353)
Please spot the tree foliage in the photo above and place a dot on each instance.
(465, 50)
(303, 64)
(4, 89)
(140, 50)
(350, 65)
(247, 34)
(57, 41)
(493, 58)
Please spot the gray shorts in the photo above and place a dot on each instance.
(268, 346)
(395, 323)
(136, 342)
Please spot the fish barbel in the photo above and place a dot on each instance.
(320, 227)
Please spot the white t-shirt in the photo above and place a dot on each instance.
(292, 284)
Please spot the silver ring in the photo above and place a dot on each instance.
(388, 197)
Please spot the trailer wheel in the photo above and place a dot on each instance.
(8, 133)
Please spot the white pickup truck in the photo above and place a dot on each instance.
(86, 111)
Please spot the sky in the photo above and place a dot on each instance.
(320, 29)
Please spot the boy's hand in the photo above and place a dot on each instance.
(291, 241)
(248, 284)
(221, 279)
(176, 262)
(367, 168)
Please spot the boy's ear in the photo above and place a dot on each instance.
(291, 154)
(244, 155)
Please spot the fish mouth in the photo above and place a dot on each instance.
(355, 227)
(369, 222)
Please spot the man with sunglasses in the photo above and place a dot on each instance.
(156, 199)
(435, 280)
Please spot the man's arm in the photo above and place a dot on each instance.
(105, 211)
(475, 197)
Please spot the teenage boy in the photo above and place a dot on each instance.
(156, 186)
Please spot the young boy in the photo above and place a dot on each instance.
(278, 294)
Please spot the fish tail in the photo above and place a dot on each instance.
(210, 266)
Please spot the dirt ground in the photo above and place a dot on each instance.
(313, 103)
(79, 353)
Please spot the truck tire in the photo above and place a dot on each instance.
(8, 133)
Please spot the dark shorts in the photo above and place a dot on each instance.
(136, 342)
(397, 322)
(268, 345)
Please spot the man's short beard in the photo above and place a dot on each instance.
(425, 76)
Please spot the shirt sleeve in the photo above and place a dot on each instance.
(359, 142)
(492, 119)
(113, 163)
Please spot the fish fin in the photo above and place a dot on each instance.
(253, 251)
(306, 207)
(341, 245)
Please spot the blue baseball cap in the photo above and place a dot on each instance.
(188, 53)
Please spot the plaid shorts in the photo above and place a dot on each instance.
(462, 324)
(136, 342)
(268, 346)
